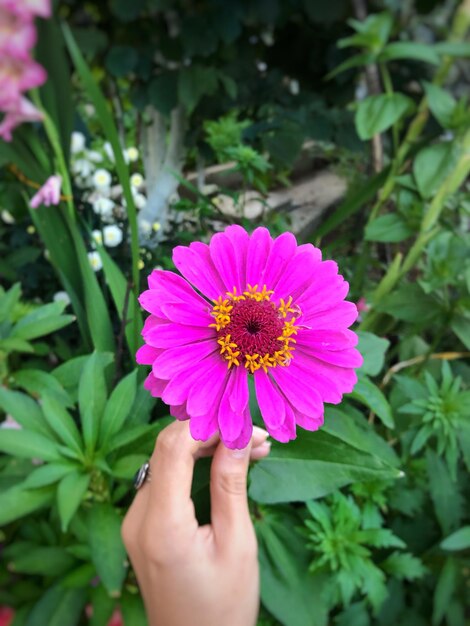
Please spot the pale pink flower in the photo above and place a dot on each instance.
(49, 192)
(22, 112)
(28, 8)
(10, 423)
(16, 76)
(362, 305)
(7, 615)
(17, 35)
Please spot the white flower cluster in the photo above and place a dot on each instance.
(91, 173)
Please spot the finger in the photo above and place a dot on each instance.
(172, 466)
(258, 439)
(229, 501)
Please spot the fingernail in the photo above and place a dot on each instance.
(265, 447)
(239, 454)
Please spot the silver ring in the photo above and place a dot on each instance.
(142, 475)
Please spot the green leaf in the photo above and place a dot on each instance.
(45, 560)
(24, 410)
(388, 228)
(127, 466)
(410, 304)
(133, 610)
(431, 166)
(42, 321)
(15, 345)
(118, 407)
(377, 113)
(107, 549)
(48, 474)
(103, 606)
(17, 502)
(138, 434)
(194, 82)
(453, 48)
(373, 351)
(163, 92)
(460, 540)
(445, 589)
(121, 60)
(369, 394)
(8, 300)
(441, 103)
(288, 590)
(445, 493)
(312, 466)
(28, 445)
(57, 607)
(410, 50)
(70, 493)
(68, 374)
(404, 566)
(92, 399)
(460, 325)
(38, 383)
(62, 423)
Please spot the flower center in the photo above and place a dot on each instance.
(253, 331)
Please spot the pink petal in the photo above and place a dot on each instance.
(174, 360)
(283, 249)
(286, 431)
(307, 422)
(203, 427)
(155, 385)
(172, 335)
(179, 412)
(297, 390)
(178, 387)
(271, 403)
(211, 381)
(326, 339)
(146, 355)
(246, 433)
(239, 395)
(196, 265)
(230, 421)
(330, 381)
(240, 241)
(342, 315)
(257, 255)
(173, 288)
(342, 358)
(182, 313)
(299, 273)
(224, 257)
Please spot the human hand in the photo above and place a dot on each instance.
(191, 575)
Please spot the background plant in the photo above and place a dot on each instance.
(362, 523)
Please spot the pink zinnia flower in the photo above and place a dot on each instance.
(27, 8)
(24, 111)
(266, 309)
(17, 35)
(49, 192)
(16, 76)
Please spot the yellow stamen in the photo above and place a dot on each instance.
(232, 358)
(265, 362)
(251, 362)
(285, 307)
(226, 344)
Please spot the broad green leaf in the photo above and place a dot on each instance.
(373, 351)
(460, 324)
(369, 394)
(8, 300)
(377, 113)
(133, 610)
(57, 607)
(68, 374)
(460, 540)
(28, 445)
(431, 166)
(118, 406)
(288, 590)
(445, 493)
(80, 577)
(312, 466)
(163, 92)
(38, 383)
(410, 50)
(138, 435)
(17, 502)
(358, 60)
(121, 60)
(404, 566)
(453, 48)
(194, 82)
(15, 345)
(48, 474)
(107, 549)
(42, 321)
(92, 399)
(45, 560)
(410, 304)
(441, 103)
(445, 589)
(388, 228)
(141, 411)
(24, 410)
(70, 493)
(62, 423)
(103, 606)
(126, 467)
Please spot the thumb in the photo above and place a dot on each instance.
(229, 500)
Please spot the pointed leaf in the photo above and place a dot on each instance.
(62, 423)
(118, 406)
(92, 399)
(70, 493)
